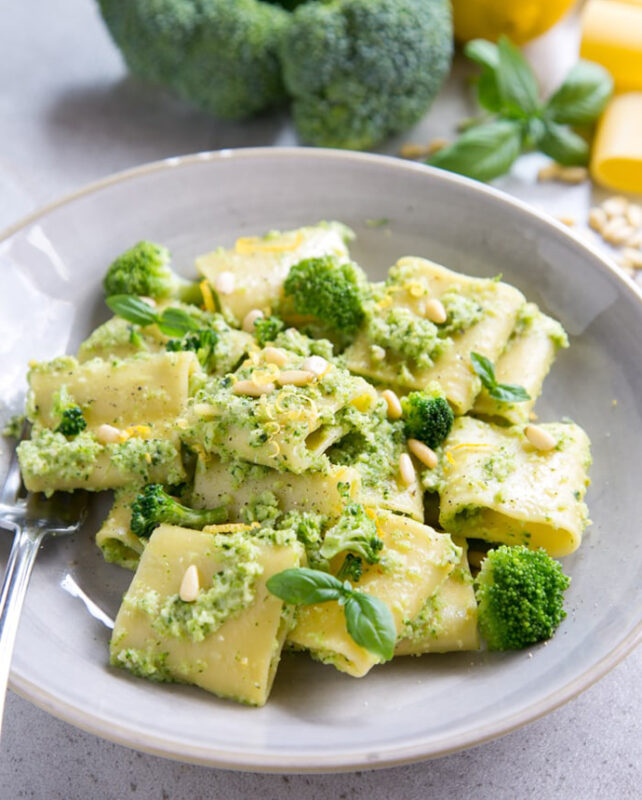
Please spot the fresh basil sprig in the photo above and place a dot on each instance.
(171, 321)
(504, 392)
(368, 619)
(507, 88)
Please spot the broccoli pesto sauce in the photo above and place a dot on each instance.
(231, 591)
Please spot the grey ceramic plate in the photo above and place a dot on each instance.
(318, 719)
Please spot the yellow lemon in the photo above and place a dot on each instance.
(520, 20)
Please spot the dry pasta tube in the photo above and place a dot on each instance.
(612, 36)
(617, 151)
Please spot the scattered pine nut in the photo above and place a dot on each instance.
(540, 439)
(435, 145)
(421, 451)
(224, 282)
(597, 219)
(295, 377)
(631, 258)
(275, 355)
(253, 389)
(615, 206)
(435, 311)
(634, 215)
(406, 469)
(569, 221)
(250, 318)
(190, 585)
(394, 404)
(617, 231)
(413, 151)
(107, 434)
(635, 240)
(572, 174)
(549, 172)
(317, 365)
(377, 353)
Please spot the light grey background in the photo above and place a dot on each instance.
(69, 115)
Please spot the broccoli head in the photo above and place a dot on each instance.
(427, 417)
(330, 291)
(153, 506)
(145, 270)
(520, 596)
(355, 532)
(266, 329)
(221, 56)
(202, 342)
(360, 70)
(351, 569)
(72, 420)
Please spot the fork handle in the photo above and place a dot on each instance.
(14, 588)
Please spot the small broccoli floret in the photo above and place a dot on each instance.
(266, 329)
(72, 421)
(354, 532)
(351, 569)
(359, 70)
(331, 292)
(520, 596)
(153, 506)
(202, 342)
(145, 270)
(427, 417)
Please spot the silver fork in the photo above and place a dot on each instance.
(30, 517)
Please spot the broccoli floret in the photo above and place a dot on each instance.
(145, 270)
(331, 292)
(520, 596)
(360, 70)
(427, 417)
(72, 419)
(351, 569)
(153, 506)
(266, 329)
(220, 56)
(202, 342)
(354, 532)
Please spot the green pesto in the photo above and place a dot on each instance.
(262, 508)
(499, 466)
(116, 552)
(13, 427)
(143, 663)
(406, 335)
(463, 312)
(296, 342)
(117, 338)
(137, 457)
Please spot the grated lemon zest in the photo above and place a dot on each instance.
(139, 431)
(208, 297)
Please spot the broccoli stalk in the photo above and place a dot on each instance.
(520, 596)
(427, 417)
(356, 533)
(153, 506)
(330, 291)
(145, 270)
(72, 419)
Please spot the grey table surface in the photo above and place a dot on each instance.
(69, 115)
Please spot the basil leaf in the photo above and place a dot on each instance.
(132, 308)
(488, 95)
(370, 624)
(583, 95)
(303, 586)
(176, 322)
(508, 393)
(517, 85)
(483, 52)
(563, 145)
(483, 152)
(484, 368)
(504, 392)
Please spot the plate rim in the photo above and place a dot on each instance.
(418, 750)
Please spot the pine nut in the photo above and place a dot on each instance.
(317, 365)
(250, 318)
(435, 311)
(295, 377)
(568, 221)
(540, 439)
(107, 434)
(252, 389)
(635, 240)
(377, 353)
(435, 145)
(549, 172)
(406, 469)
(427, 456)
(597, 219)
(413, 151)
(394, 404)
(634, 215)
(615, 206)
(224, 282)
(572, 174)
(190, 585)
(631, 258)
(275, 355)
(617, 231)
